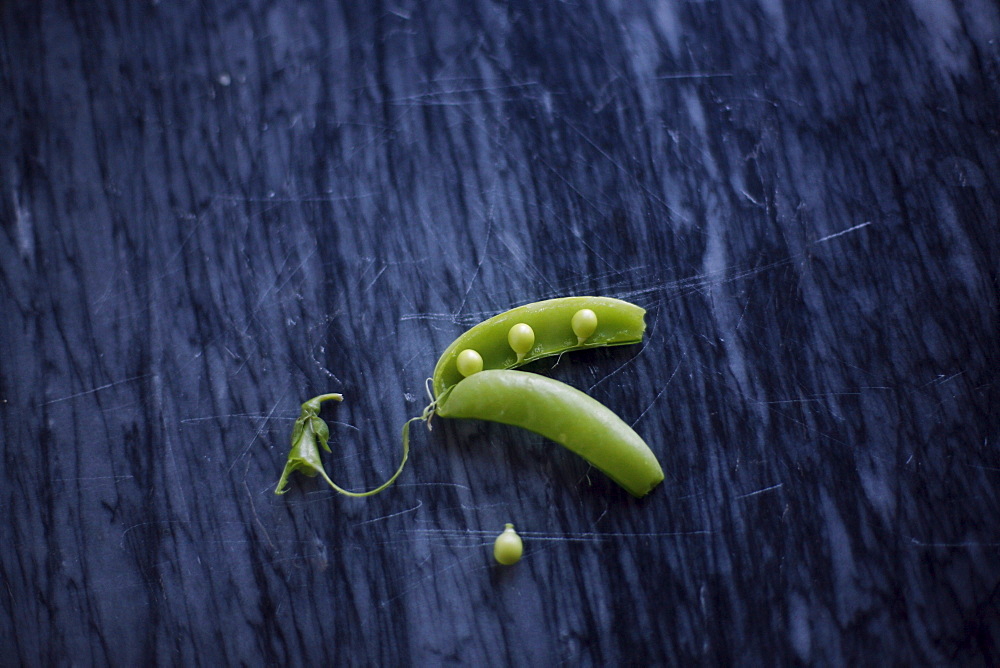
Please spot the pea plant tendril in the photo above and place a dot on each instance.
(309, 434)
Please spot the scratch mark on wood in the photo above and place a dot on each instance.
(96, 389)
(761, 491)
(843, 232)
(260, 430)
(391, 515)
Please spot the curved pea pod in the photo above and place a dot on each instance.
(612, 322)
(561, 413)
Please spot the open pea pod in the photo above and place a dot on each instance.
(556, 325)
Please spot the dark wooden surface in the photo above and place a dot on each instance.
(212, 211)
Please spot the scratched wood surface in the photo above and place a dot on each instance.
(213, 211)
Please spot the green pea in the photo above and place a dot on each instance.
(469, 362)
(561, 413)
(507, 548)
(551, 321)
(521, 338)
(584, 324)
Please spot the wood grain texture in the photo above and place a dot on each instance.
(213, 211)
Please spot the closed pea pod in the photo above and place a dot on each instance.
(563, 414)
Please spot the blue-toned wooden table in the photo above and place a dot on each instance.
(210, 212)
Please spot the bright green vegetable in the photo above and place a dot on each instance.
(472, 379)
(551, 321)
(563, 414)
(507, 548)
(584, 324)
(311, 432)
(469, 362)
(521, 338)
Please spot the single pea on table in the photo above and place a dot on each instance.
(507, 548)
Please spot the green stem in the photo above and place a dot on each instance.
(308, 437)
